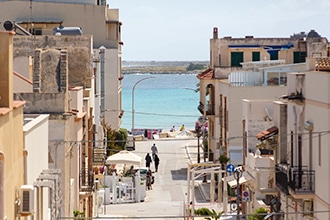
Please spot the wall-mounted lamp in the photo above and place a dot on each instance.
(308, 126)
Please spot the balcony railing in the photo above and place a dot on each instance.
(301, 180)
(86, 180)
(282, 178)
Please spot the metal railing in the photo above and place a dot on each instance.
(301, 180)
(86, 180)
(282, 179)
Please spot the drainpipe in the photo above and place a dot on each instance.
(295, 134)
(2, 185)
(25, 154)
(102, 59)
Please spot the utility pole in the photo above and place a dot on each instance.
(198, 130)
(238, 175)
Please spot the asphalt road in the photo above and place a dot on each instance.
(166, 199)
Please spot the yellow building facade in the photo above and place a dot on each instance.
(12, 156)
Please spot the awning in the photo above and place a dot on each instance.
(267, 133)
(232, 182)
(124, 157)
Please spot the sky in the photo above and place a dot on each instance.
(180, 30)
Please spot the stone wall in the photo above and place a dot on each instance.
(79, 50)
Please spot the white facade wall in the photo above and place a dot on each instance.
(235, 95)
(261, 167)
(317, 111)
(36, 144)
(113, 89)
(255, 114)
(76, 99)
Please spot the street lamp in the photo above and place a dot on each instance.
(190, 89)
(198, 132)
(133, 99)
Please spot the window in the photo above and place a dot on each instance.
(256, 56)
(273, 55)
(299, 57)
(36, 31)
(236, 59)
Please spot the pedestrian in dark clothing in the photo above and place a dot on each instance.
(156, 162)
(148, 160)
(149, 179)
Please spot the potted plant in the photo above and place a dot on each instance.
(79, 215)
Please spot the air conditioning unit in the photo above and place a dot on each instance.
(27, 195)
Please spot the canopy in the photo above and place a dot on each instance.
(124, 157)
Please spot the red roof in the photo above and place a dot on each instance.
(207, 74)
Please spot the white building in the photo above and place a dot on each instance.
(36, 147)
(297, 139)
(247, 68)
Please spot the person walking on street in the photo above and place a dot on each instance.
(156, 162)
(149, 178)
(154, 150)
(148, 160)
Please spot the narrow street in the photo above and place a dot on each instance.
(166, 199)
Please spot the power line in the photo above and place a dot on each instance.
(307, 213)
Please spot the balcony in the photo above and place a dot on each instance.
(282, 178)
(86, 180)
(301, 181)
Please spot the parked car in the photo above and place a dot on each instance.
(130, 144)
(143, 171)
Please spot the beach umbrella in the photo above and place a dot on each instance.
(124, 157)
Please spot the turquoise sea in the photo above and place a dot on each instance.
(160, 102)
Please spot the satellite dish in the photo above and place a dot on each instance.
(8, 25)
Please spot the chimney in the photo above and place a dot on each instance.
(6, 70)
(215, 33)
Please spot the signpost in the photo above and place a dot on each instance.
(245, 196)
(230, 168)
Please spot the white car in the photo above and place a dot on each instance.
(143, 171)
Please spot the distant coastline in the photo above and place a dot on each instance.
(160, 67)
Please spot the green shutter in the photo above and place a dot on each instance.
(256, 56)
(299, 57)
(274, 55)
(236, 58)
